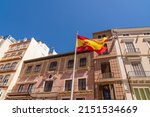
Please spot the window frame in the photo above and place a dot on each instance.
(53, 66)
(140, 96)
(83, 62)
(37, 69)
(29, 70)
(30, 88)
(6, 79)
(12, 65)
(21, 88)
(82, 87)
(7, 66)
(48, 87)
(70, 63)
(68, 85)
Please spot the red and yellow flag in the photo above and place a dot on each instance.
(83, 44)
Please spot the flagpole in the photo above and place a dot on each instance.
(74, 69)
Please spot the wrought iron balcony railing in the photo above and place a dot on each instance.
(132, 51)
(107, 75)
(137, 74)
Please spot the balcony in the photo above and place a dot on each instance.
(7, 70)
(139, 74)
(3, 85)
(106, 77)
(132, 52)
(10, 58)
(139, 77)
(33, 93)
(19, 93)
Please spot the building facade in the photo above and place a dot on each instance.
(107, 74)
(133, 47)
(51, 78)
(122, 72)
(4, 44)
(11, 62)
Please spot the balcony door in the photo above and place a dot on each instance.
(130, 47)
(138, 69)
(105, 69)
(106, 92)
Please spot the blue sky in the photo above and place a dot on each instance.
(55, 22)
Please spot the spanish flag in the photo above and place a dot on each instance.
(84, 44)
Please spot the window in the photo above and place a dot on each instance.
(21, 88)
(37, 68)
(1, 66)
(130, 47)
(6, 78)
(82, 62)
(6, 66)
(1, 77)
(70, 63)
(48, 86)
(19, 53)
(82, 84)
(138, 69)
(99, 36)
(146, 33)
(53, 66)
(103, 36)
(104, 49)
(68, 85)
(125, 34)
(30, 87)
(106, 70)
(13, 54)
(106, 92)
(13, 65)
(142, 93)
(29, 69)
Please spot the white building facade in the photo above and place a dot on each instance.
(12, 60)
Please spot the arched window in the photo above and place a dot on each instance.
(1, 66)
(13, 65)
(7, 66)
(1, 77)
(6, 78)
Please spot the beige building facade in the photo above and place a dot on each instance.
(133, 45)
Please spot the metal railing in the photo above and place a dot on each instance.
(132, 51)
(8, 69)
(37, 90)
(136, 74)
(107, 75)
(54, 89)
(2, 83)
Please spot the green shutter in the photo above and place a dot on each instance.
(147, 93)
(137, 94)
(142, 94)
